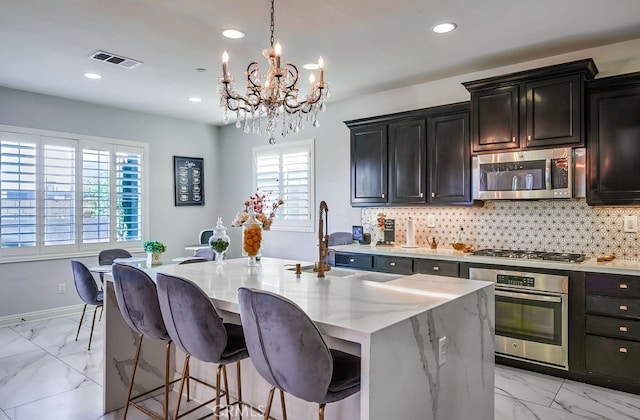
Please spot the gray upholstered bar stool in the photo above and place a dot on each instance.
(88, 291)
(195, 326)
(106, 257)
(289, 352)
(137, 298)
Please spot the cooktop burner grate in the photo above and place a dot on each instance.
(531, 255)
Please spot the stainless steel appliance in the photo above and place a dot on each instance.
(531, 315)
(531, 255)
(532, 174)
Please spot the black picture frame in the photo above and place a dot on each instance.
(188, 174)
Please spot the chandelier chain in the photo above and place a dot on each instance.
(273, 26)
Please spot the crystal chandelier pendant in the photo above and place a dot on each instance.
(272, 95)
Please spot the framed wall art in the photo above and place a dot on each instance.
(188, 180)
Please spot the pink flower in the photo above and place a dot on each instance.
(263, 207)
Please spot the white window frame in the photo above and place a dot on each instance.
(280, 224)
(42, 252)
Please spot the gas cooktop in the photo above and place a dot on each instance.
(531, 255)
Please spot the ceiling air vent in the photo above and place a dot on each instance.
(115, 59)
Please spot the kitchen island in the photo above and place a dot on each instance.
(397, 327)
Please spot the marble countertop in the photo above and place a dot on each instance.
(616, 266)
(343, 307)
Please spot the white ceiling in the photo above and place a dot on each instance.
(368, 45)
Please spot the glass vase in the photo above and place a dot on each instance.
(252, 240)
(219, 241)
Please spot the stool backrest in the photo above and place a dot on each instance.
(285, 345)
(138, 301)
(191, 318)
(106, 256)
(85, 283)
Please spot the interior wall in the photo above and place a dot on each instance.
(332, 142)
(33, 286)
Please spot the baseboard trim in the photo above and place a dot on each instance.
(9, 320)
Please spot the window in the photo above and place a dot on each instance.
(286, 171)
(62, 195)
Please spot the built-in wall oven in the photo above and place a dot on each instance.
(531, 315)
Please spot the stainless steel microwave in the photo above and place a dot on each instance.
(530, 175)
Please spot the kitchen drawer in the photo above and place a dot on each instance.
(439, 268)
(611, 357)
(626, 329)
(610, 284)
(362, 261)
(397, 265)
(611, 306)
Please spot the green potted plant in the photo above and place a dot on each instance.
(154, 250)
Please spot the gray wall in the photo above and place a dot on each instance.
(28, 287)
(33, 286)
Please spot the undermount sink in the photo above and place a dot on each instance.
(353, 274)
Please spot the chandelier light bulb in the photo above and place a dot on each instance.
(320, 62)
(278, 48)
(225, 65)
(312, 79)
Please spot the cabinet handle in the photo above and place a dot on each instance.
(513, 139)
(623, 349)
(352, 260)
(623, 307)
(421, 195)
(433, 194)
(392, 264)
(382, 195)
(623, 328)
(436, 268)
(529, 138)
(624, 286)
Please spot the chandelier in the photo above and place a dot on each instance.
(274, 95)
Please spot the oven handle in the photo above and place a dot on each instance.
(518, 295)
(547, 174)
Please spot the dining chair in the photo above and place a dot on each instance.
(206, 253)
(106, 257)
(289, 352)
(205, 234)
(196, 328)
(88, 291)
(192, 261)
(338, 238)
(137, 298)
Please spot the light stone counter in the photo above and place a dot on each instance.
(394, 326)
(590, 265)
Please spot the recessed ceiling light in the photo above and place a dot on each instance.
(94, 76)
(195, 99)
(232, 33)
(311, 66)
(443, 28)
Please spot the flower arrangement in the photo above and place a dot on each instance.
(154, 246)
(264, 208)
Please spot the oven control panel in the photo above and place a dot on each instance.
(516, 280)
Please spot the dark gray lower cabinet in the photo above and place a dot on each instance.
(436, 267)
(612, 357)
(353, 260)
(396, 265)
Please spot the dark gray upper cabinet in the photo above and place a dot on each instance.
(613, 146)
(531, 109)
(418, 157)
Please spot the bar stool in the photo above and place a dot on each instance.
(289, 352)
(88, 291)
(138, 302)
(195, 326)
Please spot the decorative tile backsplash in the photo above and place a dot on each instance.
(553, 225)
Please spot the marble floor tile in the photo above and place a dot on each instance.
(592, 402)
(528, 386)
(83, 403)
(12, 343)
(3, 416)
(34, 375)
(507, 408)
(57, 336)
(89, 363)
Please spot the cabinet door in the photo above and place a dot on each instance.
(495, 119)
(369, 165)
(407, 166)
(449, 159)
(614, 147)
(553, 112)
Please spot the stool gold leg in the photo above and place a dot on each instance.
(167, 358)
(269, 401)
(185, 372)
(226, 385)
(238, 377)
(284, 409)
(321, 412)
(133, 375)
(217, 407)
